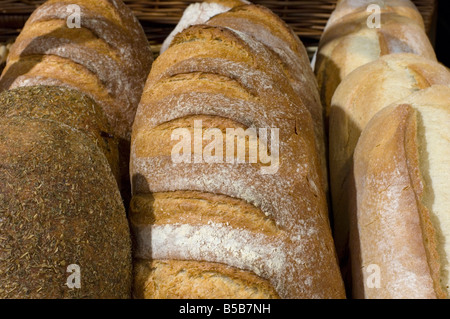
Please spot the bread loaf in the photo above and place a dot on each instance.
(266, 27)
(358, 8)
(199, 13)
(65, 106)
(348, 41)
(400, 224)
(59, 206)
(244, 57)
(227, 225)
(107, 56)
(361, 95)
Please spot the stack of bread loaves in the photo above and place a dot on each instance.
(96, 47)
(228, 192)
(381, 194)
(71, 87)
(351, 39)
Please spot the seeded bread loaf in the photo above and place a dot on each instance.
(360, 96)
(227, 224)
(348, 41)
(400, 220)
(65, 106)
(59, 206)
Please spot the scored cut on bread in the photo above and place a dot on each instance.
(110, 44)
(228, 217)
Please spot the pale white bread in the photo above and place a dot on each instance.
(400, 221)
(351, 9)
(361, 95)
(199, 13)
(196, 13)
(350, 44)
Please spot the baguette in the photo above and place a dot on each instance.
(59, 206)
(348, 43)
(400, 218)
(361, 95)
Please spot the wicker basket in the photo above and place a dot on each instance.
(158, 18)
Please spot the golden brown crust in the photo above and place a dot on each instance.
(358, 98)
(169, 279)
(59, 205)
(238, 56)
(392, 227)
(266, 27)
(110, 44)
(274, 226)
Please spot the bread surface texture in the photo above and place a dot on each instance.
(107, 56)
(228, 225)
(59, 206)
(399, 222)
(358, 98)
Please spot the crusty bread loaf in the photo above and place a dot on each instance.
(110, 50)
(361, 95)
(266, 27)
(240, 56)
(227, 218)
(65, 106)
(401, 176)
(59, 205)
(348, 43)
(358, 8)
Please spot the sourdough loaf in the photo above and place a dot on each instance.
(348, 42)
(361, 95)
(263, 25)
(109, 48)
(59, 206)
(226, 225)
(238, 55)
(400, 220)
